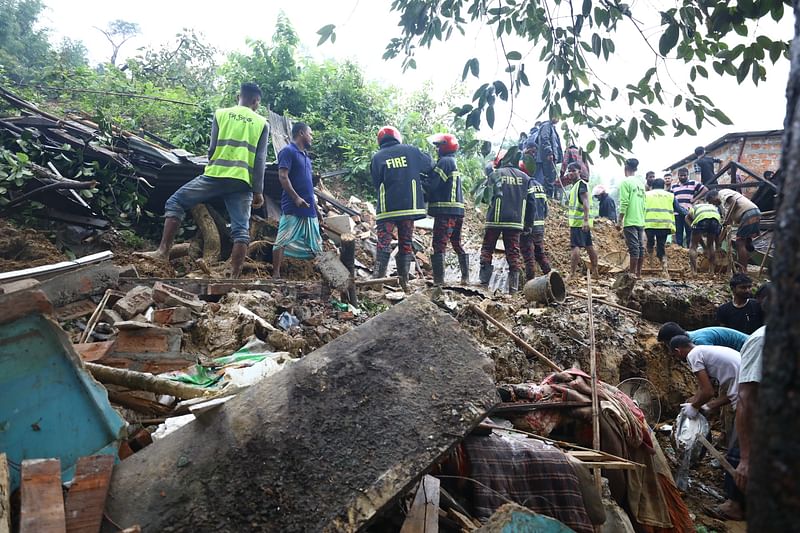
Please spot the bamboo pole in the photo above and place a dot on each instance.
(593, 367)
(766, 256)
(94, 318)
(521, 343)
(144, 381)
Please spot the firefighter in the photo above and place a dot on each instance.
(397, 173)
(446, 206)
(531, 240)
(511, 196)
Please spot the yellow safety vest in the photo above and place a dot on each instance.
(702, 212)
(575, 210)
(240, 128)
(659, 212)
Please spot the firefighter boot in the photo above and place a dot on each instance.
(437, 262)
(530, 273)
(381, 265)
(485, 275)
(403, 262)
(513, 281)
(463, 263)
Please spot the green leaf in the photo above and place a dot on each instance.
(513, 56)
(669, 39)
(614, 94)
(501, 90)
(590, 146)
(596, 44)
(327, 32)
(633, 129)
(23, 157)
(474, 66)
(490, 116)
(586, 9)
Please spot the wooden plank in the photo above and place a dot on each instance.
(423, 517)
(717, 455)
(42, 508)
(92, 351)
(86, 498)
(610, 465)
(5, 496)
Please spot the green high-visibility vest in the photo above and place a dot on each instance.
(702, 212)
(240, 128)
(575, 210)
(659, 212)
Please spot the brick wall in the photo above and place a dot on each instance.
(760, 154)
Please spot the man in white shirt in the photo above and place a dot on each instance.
(723, 365)
(709, 362)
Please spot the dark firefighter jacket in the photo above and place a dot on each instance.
(511, 198)
(397, 173)
(445, 196)
(534, 217)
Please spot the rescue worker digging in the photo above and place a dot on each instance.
(531, 240)
(446, 206)
(704, 219)
(397, 172)
(512, 196)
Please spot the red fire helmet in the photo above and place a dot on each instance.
(445, 142)
(499, 157)
(389, 131)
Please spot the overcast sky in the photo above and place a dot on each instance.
(365, 27)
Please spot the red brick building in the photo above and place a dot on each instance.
(759, 151)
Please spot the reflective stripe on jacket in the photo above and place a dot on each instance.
(702, 212)
(575, 209)
(659, 213)
(535, 217)
(240, 128)
(445, 196)
(397, 172)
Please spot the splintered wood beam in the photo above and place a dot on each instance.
(42, 507)
(86, 498)
(423, 517)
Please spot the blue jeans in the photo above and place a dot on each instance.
(235, 193)
(680, 227)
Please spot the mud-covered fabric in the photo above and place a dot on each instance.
(447, 228)
(510, 243)
(405, 234)
(528, 472)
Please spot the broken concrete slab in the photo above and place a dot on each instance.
(326, 443)
(136, 301)
(172, 315)
(78, 284)
(20, 285)
(338, 225)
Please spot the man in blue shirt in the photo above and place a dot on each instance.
(298, 229)
(714, 336)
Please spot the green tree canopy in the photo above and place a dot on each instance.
(574, 39)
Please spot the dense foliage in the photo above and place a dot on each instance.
(171, 91)
(575, 39)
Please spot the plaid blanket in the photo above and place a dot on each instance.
(526, 471)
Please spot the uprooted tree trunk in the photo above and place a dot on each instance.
(322, 445)
(774, 488)
(208, 231)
